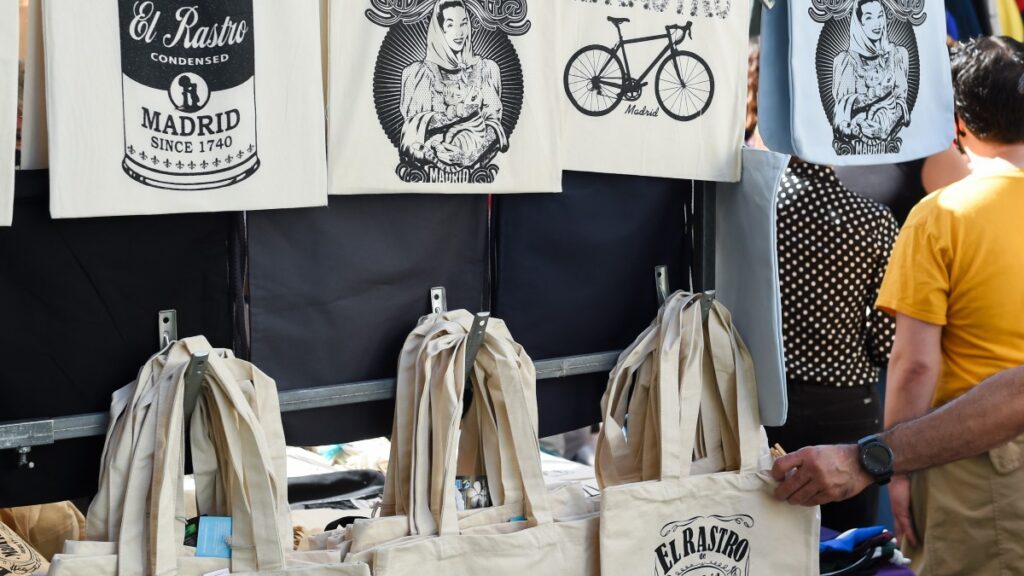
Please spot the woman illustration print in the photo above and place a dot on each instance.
(451, 100)
(869, 82)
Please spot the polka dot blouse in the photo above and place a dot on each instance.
(833, 250)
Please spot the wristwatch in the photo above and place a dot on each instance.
(876, 459)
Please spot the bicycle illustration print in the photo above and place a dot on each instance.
(597, 80)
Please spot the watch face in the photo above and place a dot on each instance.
(877, 459)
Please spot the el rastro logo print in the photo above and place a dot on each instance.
(189, 92)
(705, 546)
(448, 85)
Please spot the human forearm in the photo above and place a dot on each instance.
(912, 377)
(987, 416)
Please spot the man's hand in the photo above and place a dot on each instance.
(899, 498)
(819, 475)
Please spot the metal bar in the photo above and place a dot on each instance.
(43, 432)
(704, 267)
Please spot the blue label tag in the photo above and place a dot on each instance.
(214, 534)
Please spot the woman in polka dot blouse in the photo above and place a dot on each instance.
(834, 247)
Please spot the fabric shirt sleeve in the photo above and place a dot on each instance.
(881, 328)
(918, 277)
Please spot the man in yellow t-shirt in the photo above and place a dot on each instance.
(956, 285)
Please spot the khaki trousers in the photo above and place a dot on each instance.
(970, 517)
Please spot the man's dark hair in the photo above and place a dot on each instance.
(988, 88)
(447, 5)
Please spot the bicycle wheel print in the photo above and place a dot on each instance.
(685, 86)
(593, 80)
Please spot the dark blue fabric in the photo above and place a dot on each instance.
(849, 540)
(78, 305)
(951, 28)
(335, 291)
(967, 23)
(575, 275)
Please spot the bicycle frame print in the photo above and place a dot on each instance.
(621, 46)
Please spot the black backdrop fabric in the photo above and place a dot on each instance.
(575, 275)
(78, 310)
(335, 292)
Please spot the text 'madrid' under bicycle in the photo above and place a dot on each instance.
(597, 80)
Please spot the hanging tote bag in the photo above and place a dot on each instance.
(451, 96)
(410, 506)
(655, 88)
(161, 106)
(855, 82)
(236, 432)
(725, 523)
(8, 105)
(747, 273)
(536, 543)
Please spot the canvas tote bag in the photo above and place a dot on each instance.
(9, 33)
(451, 96)
(855, 82)
(726, 522)
(538, 543)
(747, 273)
(237, 426)
(655, 88)
(164, 106)
(417, 419)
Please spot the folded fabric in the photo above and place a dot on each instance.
(848, 541)
(951, 28)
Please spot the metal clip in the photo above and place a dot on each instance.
(475, 340)
(167, 327)
(438, 300)
(23, 461)
(194, 375)
(661, 283)
(706, 301)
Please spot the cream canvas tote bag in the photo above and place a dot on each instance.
(655, 88)
(236, 432)
(722, 523)
(450, 96)
(161, 106)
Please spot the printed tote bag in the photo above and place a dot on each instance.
(164, 106)
(452, 96)
(655, 88)
(722, 523)
(855, 82)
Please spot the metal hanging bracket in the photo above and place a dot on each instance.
(167, 327)
(661, 283)
(194, 375)
(707, 299)
(475, 340)
(438, 300)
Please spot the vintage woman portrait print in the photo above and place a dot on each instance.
(448, 85)
(868, 71)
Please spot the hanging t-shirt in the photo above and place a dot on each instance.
(8, 105)
(655, 88)
(452, 96)
(162, 106)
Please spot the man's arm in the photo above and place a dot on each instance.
(913, 376)
(989, 415)
(913, 369)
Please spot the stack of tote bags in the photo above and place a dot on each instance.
(136, 523)
(530, 528)
(682, 458)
